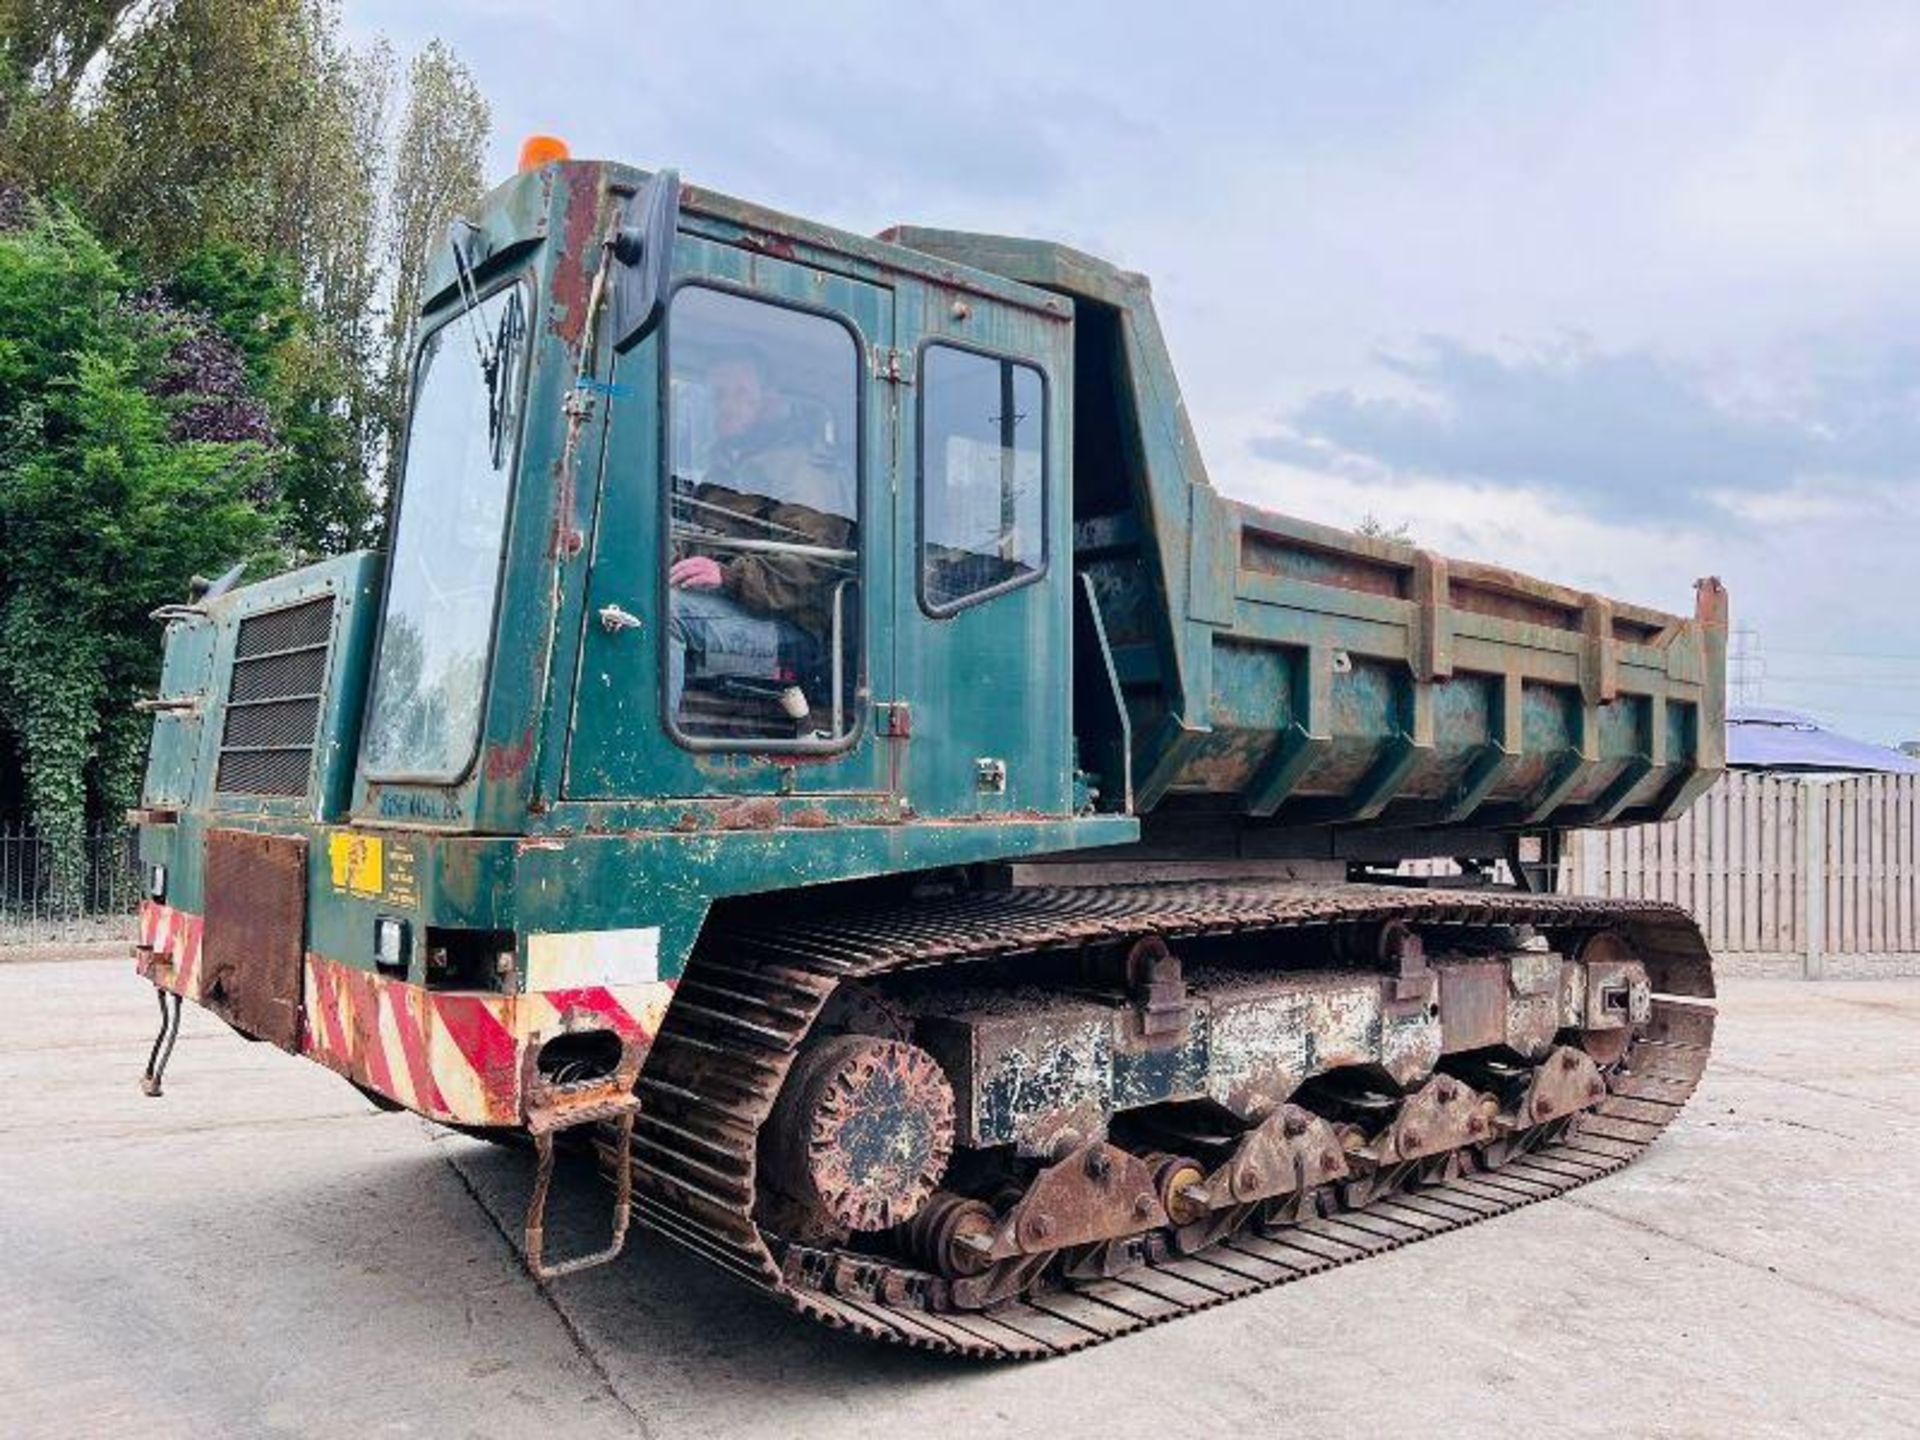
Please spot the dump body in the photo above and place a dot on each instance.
(506, 792)
(1304, 677)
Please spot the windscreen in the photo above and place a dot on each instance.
(444, 564)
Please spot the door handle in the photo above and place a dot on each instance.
(613, 619)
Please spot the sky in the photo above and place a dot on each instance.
(1618, 294)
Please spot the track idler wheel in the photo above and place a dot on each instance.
(862, 1131)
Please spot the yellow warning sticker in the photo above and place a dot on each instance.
(356, 863)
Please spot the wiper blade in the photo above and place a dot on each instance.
(506, 344)
(469, 294)
(491, 354)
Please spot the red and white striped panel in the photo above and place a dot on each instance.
(169, 953)
(455, 1055)
(449, 1055)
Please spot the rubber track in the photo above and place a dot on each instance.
(752, 992)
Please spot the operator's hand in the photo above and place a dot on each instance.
(696, 572)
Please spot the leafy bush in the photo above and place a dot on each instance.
(205, 322)
(131, 456)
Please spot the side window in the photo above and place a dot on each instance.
(982, 476)
(763, 563)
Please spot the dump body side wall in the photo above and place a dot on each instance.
(1347, 682)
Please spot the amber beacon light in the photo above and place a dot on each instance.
(538, 150)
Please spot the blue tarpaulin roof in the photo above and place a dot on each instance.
(1761, 737)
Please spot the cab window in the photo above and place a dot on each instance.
(443, 570)
(982, 476)
(763, 540)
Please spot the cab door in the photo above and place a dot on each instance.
(982, 647)
(745, 504)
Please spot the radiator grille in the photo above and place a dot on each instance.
(273, 700)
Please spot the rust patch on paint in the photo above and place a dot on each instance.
(573, 273)
(506, 762)
(757, 814)
(778, 246)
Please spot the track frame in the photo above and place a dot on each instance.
(755, 989)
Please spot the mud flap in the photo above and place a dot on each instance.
(253, 949)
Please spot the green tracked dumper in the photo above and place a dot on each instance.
(816, 741)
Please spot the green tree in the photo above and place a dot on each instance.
(205, 320)
(436, 176)
(237, 148)
(48, 44)
(314, 393)
(46, 47)
(106, 503)
(203, 113)
(244, 164)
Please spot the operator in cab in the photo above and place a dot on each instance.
(761, 541)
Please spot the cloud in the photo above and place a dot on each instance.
(857, 135)
(1716, 198)
(1622, 435)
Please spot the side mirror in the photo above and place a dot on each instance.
(643, 249)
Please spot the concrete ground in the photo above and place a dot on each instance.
(260, 1252)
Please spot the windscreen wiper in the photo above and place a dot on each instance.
(491, 354)
(469, 293)
(506, 344)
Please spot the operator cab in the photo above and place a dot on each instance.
(703, 503)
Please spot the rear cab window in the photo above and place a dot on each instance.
(982, 476)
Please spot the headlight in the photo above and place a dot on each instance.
(390, 943)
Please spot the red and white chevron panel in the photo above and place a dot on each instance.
(456, 1055)
(169, 953)
(450, 1055)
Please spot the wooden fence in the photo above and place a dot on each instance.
(1787, 875)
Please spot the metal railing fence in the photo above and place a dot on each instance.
(91, 893)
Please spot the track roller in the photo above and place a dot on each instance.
(952, 1235)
